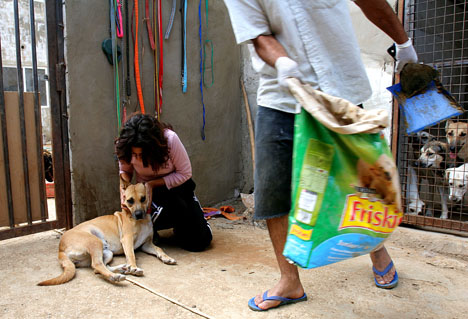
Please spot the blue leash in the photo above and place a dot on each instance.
(184, 46)
(201, 67)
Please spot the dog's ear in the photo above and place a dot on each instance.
(447, 124)
(447, 174)
(123, 183)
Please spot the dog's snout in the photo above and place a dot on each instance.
(139, 214)
(415, 163)
(452, 149)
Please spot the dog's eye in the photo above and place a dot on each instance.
(461, 186)
(462, 134)
(451, 184)
(143, 199)
(430, 154)
(131, 201)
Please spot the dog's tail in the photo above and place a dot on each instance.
(67, 274)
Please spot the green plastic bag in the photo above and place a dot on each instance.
(345, 187)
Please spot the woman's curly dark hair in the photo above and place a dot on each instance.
(146, 132)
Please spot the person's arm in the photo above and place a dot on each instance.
(274, 54)
(382, 16)
(180, 159)
(269, 49)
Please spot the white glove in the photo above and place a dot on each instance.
(287, 68)
(405, 53)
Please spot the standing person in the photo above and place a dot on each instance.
(312, 40)
(154, 153)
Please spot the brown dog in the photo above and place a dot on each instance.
(95, 242)
(456, 133)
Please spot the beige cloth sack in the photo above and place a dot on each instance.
(338, 115)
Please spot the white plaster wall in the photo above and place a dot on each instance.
(7, 27)
(379, 64)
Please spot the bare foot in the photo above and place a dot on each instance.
(381, 259)
(283, 288)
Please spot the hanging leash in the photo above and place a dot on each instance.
(201, 67)
(156, 67)
(136, 61)
(128, 86)
(161, 56)
(122, 89)
(118, 20)
(112, 13)
(205, 44)
(148, 24)
(171, 20)
(183, 8)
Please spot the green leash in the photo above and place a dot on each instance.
(205, 44)
(113, 5)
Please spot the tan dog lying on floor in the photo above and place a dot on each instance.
(95, 242)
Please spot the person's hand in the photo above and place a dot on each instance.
(405, 53)
(287, 68)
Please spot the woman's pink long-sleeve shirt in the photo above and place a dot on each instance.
(175, 171)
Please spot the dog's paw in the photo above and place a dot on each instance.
(135, 271)
(116, 278)
(168, 260)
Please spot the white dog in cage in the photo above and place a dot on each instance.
(457, 178)
(414, 204)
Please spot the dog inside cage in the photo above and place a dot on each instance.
(435, 171)
(433, 163)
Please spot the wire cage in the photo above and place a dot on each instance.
(434, 163)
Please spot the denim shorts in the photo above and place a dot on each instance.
(274, 132)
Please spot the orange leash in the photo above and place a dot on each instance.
(136, 62)
(226, 211)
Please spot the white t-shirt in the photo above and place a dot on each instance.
(317, 34)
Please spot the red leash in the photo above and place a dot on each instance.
(161, 64)
(148, 25)
(136, 62)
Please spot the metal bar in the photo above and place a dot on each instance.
(21, 112)
(6, 158)
(58, 109)
(30, 229)
(37, 114)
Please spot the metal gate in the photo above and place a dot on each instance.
(432, 169)
(27, 93)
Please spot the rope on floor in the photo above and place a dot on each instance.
(136, 283)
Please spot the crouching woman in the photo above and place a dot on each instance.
(154, 153)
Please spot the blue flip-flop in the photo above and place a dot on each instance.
(391, 284)
(284, 301)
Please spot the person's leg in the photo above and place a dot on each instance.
(180, 209)
(273, 150)
(289, 285)
(381, 259)
(192, 231)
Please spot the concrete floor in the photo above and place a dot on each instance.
(239, 264)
